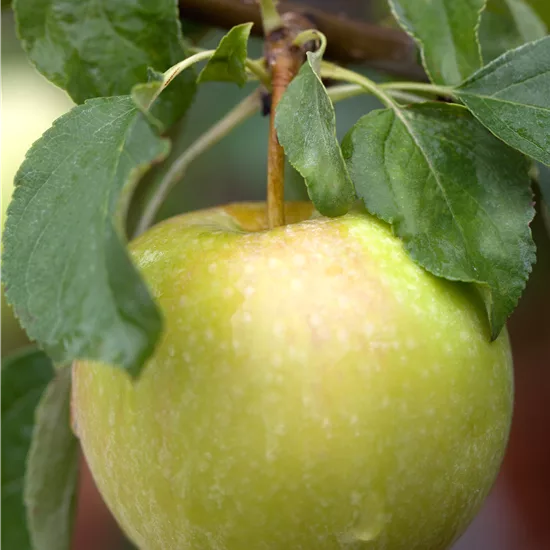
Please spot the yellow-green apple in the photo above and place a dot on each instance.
(314, 389)
(29, 106)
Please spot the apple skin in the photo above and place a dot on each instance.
(314, 389)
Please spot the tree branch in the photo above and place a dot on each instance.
(349, 41)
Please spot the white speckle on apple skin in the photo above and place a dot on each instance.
(362, 408)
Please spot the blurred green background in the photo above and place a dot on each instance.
(516, 515)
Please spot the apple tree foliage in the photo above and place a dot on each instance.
(447, 163)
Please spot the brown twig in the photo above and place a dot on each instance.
(349, 41)
(284, 61)
(282, 75)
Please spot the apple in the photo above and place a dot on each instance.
(29, 106)
(314, 389)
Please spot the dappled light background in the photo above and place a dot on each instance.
(517, 514)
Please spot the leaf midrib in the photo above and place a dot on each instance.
(501, 100)
(410, 130)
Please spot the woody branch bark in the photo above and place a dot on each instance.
(349, 41)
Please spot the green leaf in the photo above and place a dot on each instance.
(148, 100)
(52, 469)
(507, 24)
(446, 31)
(458, 197)
(306, 127)
(65, 264)
(228, 63)
(145, 98)
(510, 96)
(99, 48)
(24, 378)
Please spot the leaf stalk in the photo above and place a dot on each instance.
(334, 72)
(445, 91)
(241, 112)
(346, 91)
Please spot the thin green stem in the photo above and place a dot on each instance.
(241, 112)
(174, 71)
(310, 35)
(255, 66)
(346, 91)
(407, 98)
(257, 69)
(418, 87)
(335, 72)
(195, 49)
(271, 19)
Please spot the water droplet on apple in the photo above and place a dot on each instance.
(367, 532)
(370, 519)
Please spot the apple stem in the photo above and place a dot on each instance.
(284, 59)
(282, 72)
